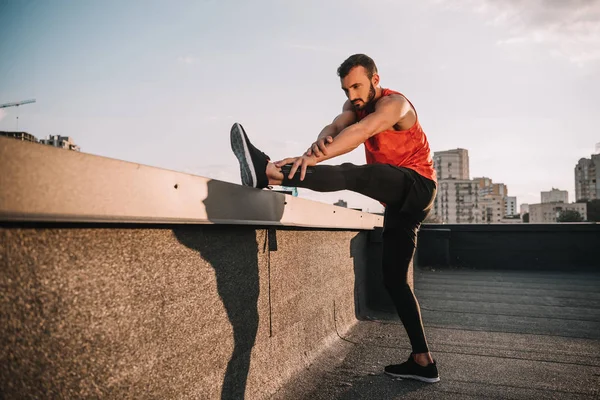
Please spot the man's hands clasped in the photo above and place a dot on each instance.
(319, 148)
(310, 158)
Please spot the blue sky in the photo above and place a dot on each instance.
(160, 83)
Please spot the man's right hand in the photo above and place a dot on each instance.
(319, 148)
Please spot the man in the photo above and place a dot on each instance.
(399, 174)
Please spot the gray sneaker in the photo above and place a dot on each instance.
(253, 162)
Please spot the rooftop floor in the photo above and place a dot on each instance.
(494, 334)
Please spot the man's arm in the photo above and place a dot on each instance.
(345, 119)
(388, 112)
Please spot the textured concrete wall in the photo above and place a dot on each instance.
(514, 246)
(184, 312)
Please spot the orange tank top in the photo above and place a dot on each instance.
(408, 148)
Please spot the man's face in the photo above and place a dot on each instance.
(359, 88)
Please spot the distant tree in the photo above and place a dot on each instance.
(569, 216)
(526, 217)
(593, 210)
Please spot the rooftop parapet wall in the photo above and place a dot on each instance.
(41, 183)
(126, 281)
(192, 311)
(507, 246)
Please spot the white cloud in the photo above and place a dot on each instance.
(569, 28)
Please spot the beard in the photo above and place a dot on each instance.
(367, 104)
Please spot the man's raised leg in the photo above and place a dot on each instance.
(381, 182)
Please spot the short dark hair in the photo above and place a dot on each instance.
(357, 60)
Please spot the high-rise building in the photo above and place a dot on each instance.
(524, 208)
(549, 212)
(461, 200)
(64, 142)
(587, 178)
(491, 199)
(499, 189)
(555, 196)
(492, 208)
(597, 148)
(24, 136)
(485, 185)
(457, 202)
(510, 206)
(452, 164)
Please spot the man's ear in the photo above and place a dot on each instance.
(375, 80)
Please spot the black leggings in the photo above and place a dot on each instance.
(408, 198)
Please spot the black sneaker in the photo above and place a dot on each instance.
(411, 370)
(253, 162)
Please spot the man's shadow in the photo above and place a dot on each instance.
(232, 251)
(371, 300)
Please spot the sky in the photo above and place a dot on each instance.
(160, 83)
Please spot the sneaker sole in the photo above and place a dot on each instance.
(239, 146)
(415, 377)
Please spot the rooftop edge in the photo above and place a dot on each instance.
(46, 184)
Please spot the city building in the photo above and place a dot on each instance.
(24, 136)
(524, 208)
(462, 200)
(587, 178)
(510, 206)
(492, 208)
(597, 148)
(452, 164)
(486, 186)
(555, 196)
(491, 199)
(549, 212)
(64, 142)
(457, 202)
(500, 189)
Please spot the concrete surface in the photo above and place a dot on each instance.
(198, 312)
(42, 183)
(494, 334)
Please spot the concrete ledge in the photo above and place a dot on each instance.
(42, 183)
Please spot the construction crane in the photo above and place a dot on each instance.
(17, 104)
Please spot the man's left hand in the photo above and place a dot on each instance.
(302, 162)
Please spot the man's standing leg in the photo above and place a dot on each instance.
(399, 246)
